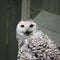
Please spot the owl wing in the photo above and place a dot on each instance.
(43, 47)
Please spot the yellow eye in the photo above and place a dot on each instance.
(22, 26)
(31, 25)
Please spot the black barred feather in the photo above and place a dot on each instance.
(39, 48)
(37, 45)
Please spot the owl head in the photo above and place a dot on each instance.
(26, 27)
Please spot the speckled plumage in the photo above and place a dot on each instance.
(38, 46)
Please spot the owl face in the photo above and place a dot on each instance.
(26, 28)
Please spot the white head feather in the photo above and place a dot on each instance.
(26, 28)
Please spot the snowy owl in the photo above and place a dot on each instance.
(33, 44)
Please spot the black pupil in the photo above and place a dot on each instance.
(31, 25)
(22, 25)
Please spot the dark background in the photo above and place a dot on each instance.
(10, 13)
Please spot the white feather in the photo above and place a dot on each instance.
(36, 45)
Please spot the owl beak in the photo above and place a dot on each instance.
(28, 32)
